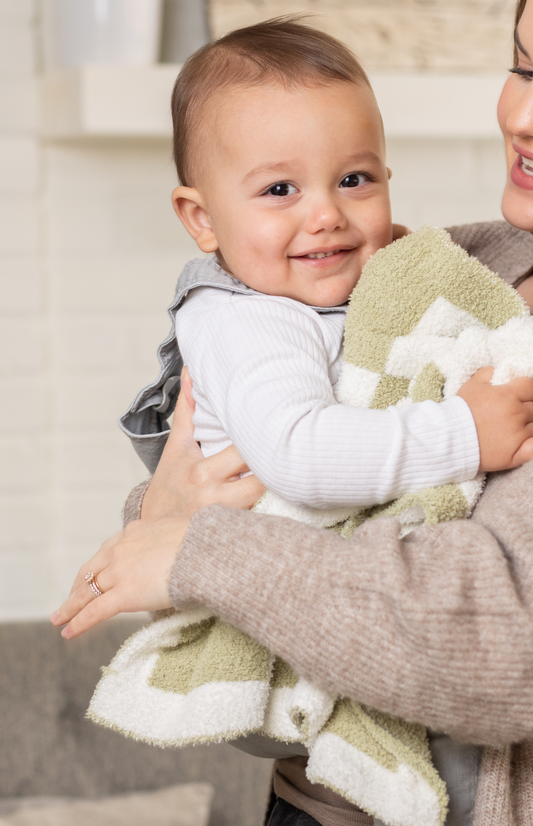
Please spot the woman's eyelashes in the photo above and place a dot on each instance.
(526, 74)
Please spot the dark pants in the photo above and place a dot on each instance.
(281, 813)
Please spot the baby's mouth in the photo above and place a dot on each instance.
(333, 252)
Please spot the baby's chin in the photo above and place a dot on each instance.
(319, 299)
(335, 297)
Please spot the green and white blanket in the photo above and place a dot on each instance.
(423, 318)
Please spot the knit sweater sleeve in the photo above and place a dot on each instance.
(264, 367)
(435, 628)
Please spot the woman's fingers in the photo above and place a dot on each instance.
(182, 424)
(96, 611)
(185, 481)
(242, 494)
(78, 599)
(225, 465)
(132, 571)
(82, 594)
(98, 561)
(186, 388)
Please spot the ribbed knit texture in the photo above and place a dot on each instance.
(133, 504)
(493, 804)
(263, 371)
(502, 248)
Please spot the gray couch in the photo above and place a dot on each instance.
(48, 748)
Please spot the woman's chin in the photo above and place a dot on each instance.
(517, 207)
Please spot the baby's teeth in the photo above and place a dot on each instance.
(321, 254)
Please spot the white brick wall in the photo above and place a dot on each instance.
(90, 251)
(115, 250)
(24, 397)
(446, 182)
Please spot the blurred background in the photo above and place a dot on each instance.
(90, 249)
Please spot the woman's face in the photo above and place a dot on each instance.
(515, 116)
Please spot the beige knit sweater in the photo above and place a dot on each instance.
(438, 626)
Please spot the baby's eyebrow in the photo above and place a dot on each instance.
(364, 157)
(289, 166)
(280, 166)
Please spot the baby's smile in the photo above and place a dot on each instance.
(314, 255)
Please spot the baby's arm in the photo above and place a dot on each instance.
(264, 365)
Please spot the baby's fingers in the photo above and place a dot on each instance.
(523, 387)
(524, 453)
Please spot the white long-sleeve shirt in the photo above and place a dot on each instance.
(263, 371)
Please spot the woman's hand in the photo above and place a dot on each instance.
(133, 567)
(132, 571)
(184, 481)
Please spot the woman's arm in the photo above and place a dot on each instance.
(436, 628)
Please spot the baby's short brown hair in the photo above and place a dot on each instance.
(282, 50)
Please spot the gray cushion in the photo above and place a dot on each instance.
(186, 804)
(47, 747)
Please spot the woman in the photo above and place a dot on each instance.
(438, 627)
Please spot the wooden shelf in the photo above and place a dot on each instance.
(97, 101)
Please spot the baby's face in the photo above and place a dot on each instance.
(295, 188)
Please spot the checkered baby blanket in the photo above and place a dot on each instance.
(423, 318)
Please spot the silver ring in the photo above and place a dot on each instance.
(92, 582)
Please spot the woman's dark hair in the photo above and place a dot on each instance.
(519, 10)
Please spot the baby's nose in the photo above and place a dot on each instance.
(325, 215)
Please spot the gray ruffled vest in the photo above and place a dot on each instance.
(146, 421)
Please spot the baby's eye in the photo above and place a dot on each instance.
(354, 179)
(282, 189)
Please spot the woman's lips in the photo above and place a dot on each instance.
(519, 177)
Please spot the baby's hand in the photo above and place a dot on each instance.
(503, 415)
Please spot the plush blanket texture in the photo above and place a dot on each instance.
(423, 318)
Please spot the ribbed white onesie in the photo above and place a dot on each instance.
(263, 370)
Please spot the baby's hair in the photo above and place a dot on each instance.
(282, 50)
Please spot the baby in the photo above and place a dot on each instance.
(280, 151)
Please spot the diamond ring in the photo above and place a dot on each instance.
(92, 582)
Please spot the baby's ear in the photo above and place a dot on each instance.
(189, 207)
